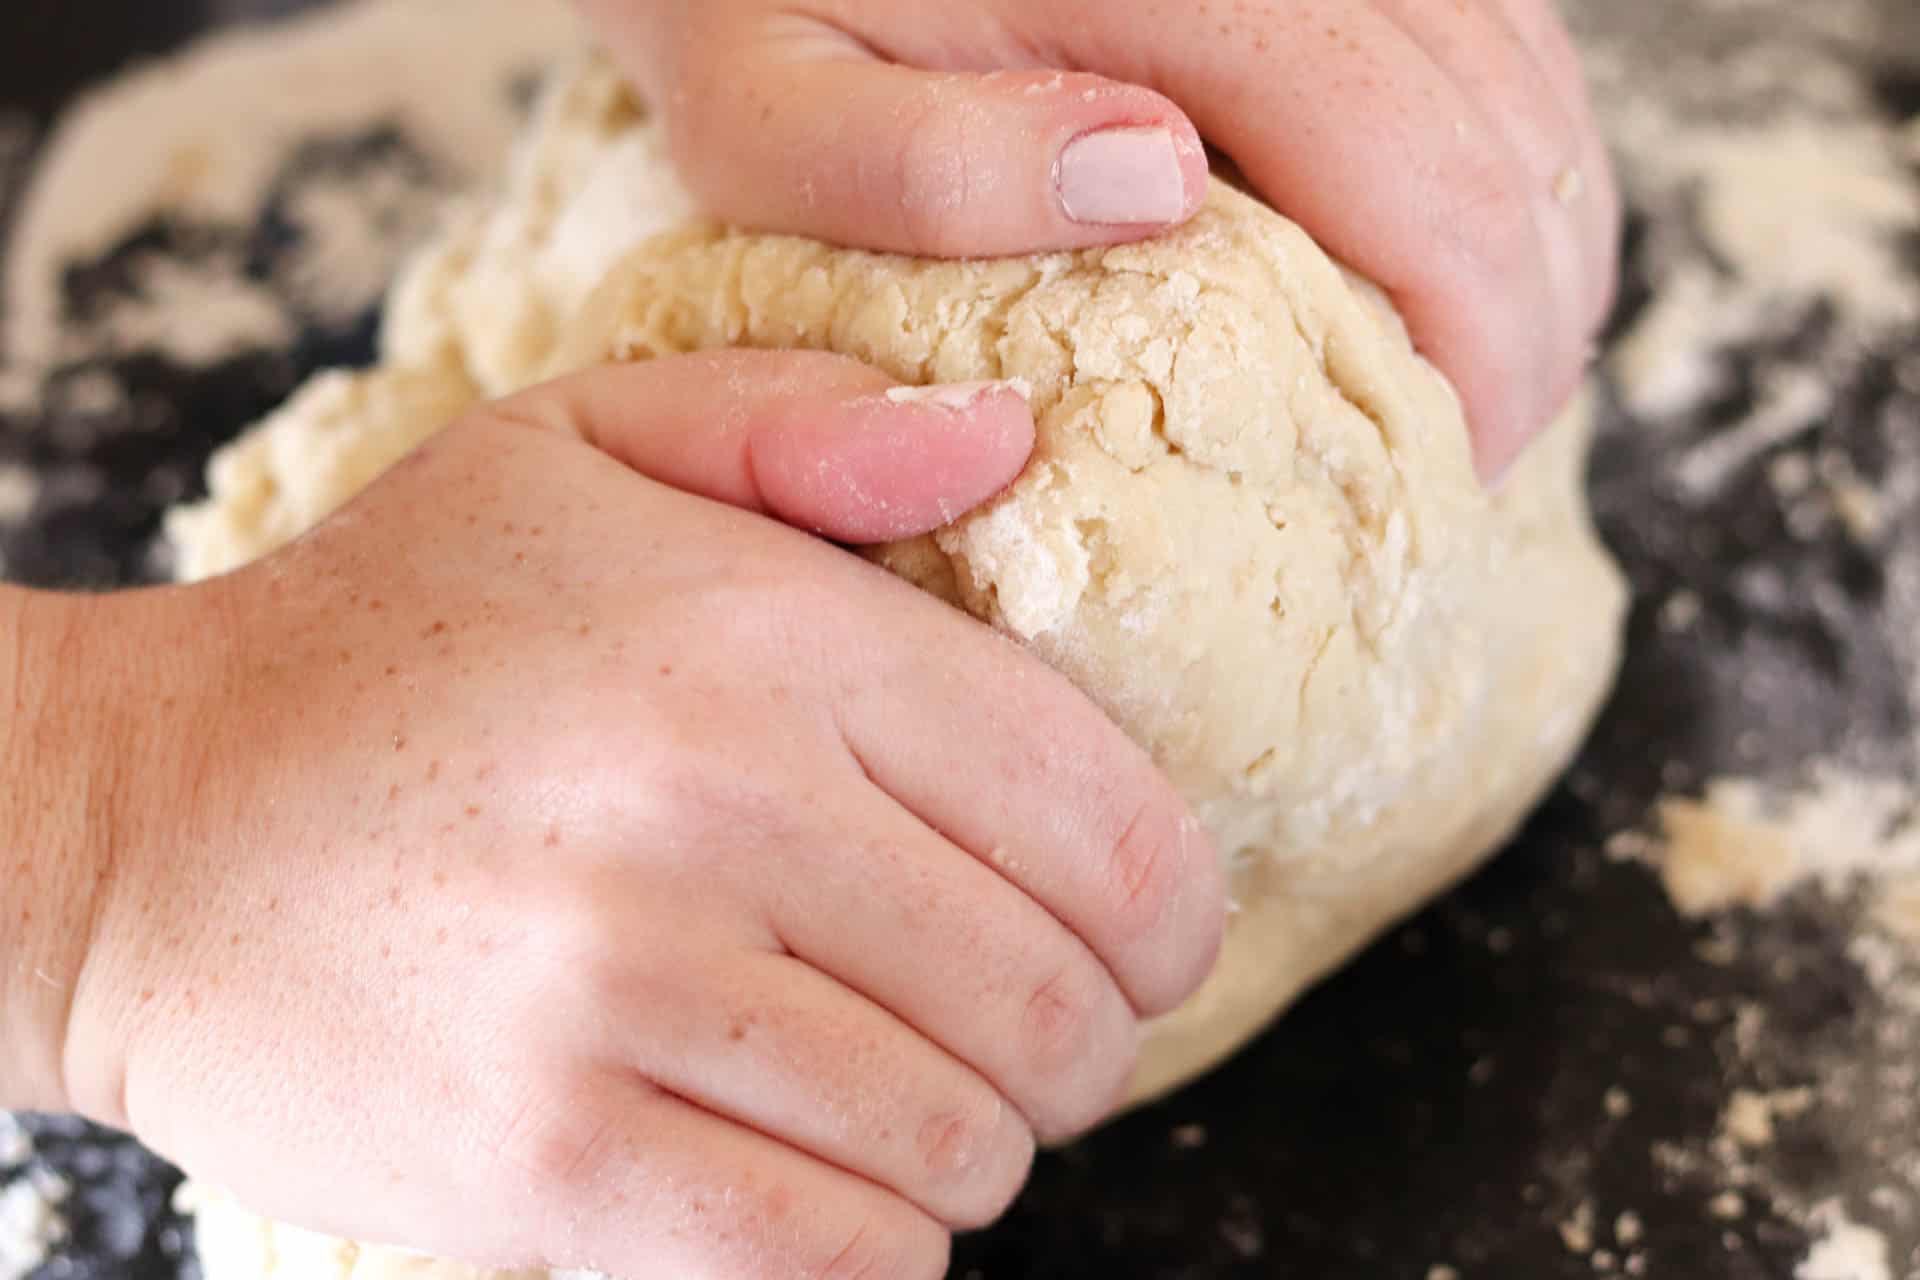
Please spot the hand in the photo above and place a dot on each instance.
(1445, 150)
(553, 867)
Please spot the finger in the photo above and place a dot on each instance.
(1538, 22)
(638, 1182)
(774, 1044)
(817, 441)
(790, 125)
(1494, 72)
(954, 950)
(1596, 193)
(1348, 127)
(1009, 761)
(1514, 59)
(1499, 80)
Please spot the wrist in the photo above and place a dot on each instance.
(83, 682)
(52, 869)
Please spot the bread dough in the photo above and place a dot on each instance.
(1250, 531)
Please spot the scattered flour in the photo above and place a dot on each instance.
(1845, 1250)
(1749, 1118)
(30, 1222)
(204, 138)
(1746, 844)
(1791, 401)
(1669, 362)
(1576, 1232)
(19, 488)
(311, 126)
(1804, 209)
(1728, 1206)
(228, 314)
(1783, 210)
(16, 1144)
(1804, 205)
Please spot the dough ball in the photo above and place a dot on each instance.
(1251, 531)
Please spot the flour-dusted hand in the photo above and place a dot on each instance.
(1443, 148)
(554, 860)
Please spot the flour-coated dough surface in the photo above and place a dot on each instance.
(1250, 531)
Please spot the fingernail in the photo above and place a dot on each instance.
(957, 395)
(1122, 177)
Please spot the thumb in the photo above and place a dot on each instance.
(819, 442)
(789, 125)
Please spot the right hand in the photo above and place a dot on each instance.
(550, 863)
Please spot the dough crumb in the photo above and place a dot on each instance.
(1576, 1232)
(1728, 1206)
(1845, 1250)
(30, 1222)
(1188, 1137)
(1749, 1117)
(16, 1144)
(1745, 844)
(19, 489)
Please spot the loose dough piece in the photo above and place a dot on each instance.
(1250, 531)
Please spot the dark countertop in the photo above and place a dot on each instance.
(1548, 1037)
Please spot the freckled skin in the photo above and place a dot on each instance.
(650, 911)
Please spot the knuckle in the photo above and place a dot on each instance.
(952, 1142)
(1145, 868)
(1057, 1025)
(934, 179)
(706, 795)
(557, 1145)
(1489, 215)
(876, 1250)
(1079, 1052)
(974, 1159)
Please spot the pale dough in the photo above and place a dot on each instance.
(1251, 531)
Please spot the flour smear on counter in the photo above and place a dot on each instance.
(202, 141)
(30, 1197)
